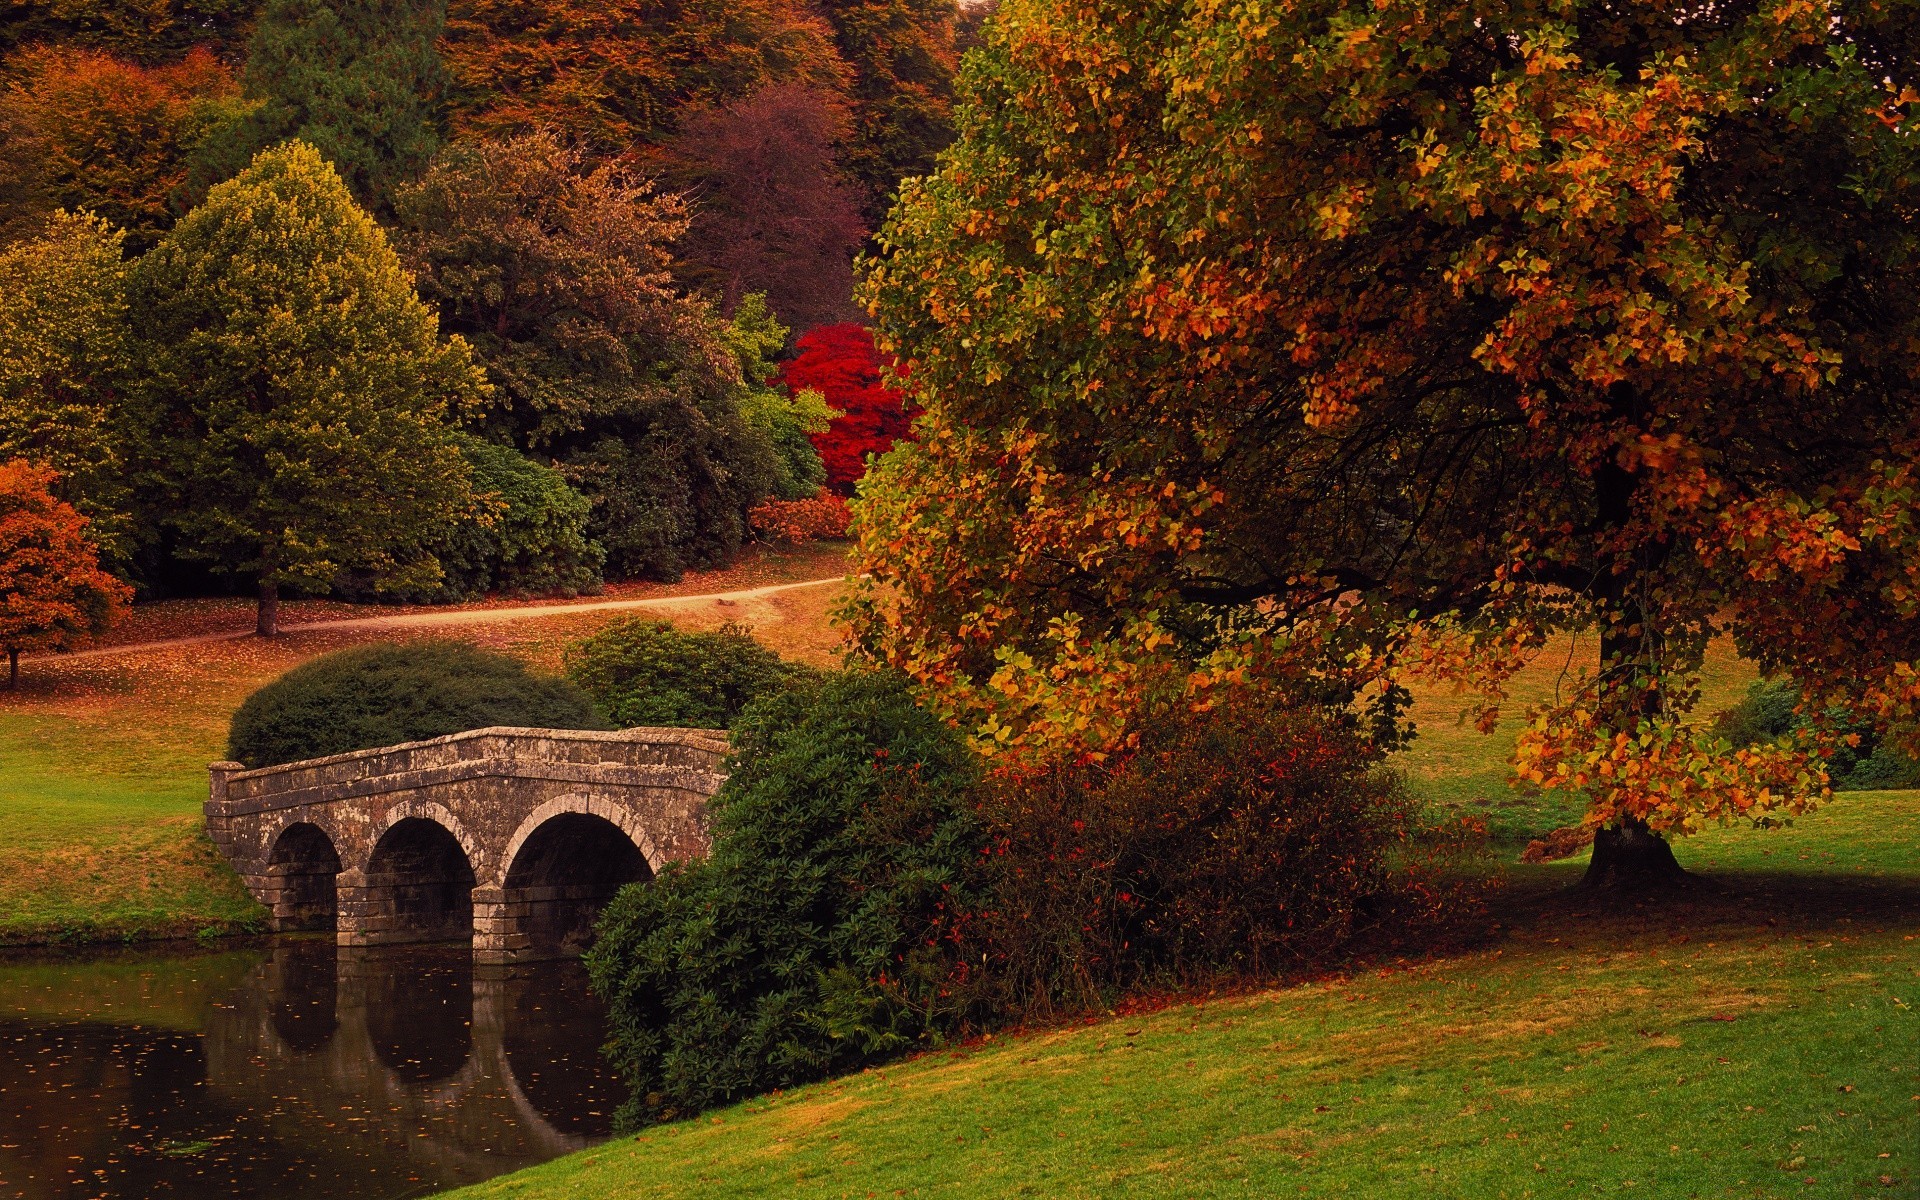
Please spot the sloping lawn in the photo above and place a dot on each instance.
(1757, 1039)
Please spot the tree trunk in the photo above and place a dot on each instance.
(13, 669)
(1630, 857)
(267, 616)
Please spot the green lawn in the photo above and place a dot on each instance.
(1756, 1040)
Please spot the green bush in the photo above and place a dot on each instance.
(381, 695)
(646, 672)
(812, 938)
(536, 543)
(1768, 714)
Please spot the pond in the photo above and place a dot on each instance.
(291, 1070)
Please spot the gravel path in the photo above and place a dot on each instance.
(469, 616)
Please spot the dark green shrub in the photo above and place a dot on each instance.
(812, 938)
(646, 672)
(1231, 843)
(1768, 713)
(380, 695)
(535, 544)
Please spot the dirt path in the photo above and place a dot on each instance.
(470, 616)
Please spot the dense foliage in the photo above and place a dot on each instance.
(305, 390)
(359, 80)
(386, 694)
(840, 363)
(87, 132)
(52, 590)
(138, 30)
(1396, 336)
(902, 55)
(530, 537)
(646, 672)
(613, 74)
(810, 939)
(772, 213)
(558, 273)
(66, 367)
(1233, 842)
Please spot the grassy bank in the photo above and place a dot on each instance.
(103, 760)
(1754, 1040)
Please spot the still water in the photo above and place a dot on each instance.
(293, 1071)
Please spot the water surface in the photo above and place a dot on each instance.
(293, 1071)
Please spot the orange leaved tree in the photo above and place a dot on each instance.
(1395, 336)
(52, 590)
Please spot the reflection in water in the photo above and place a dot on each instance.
(294, 1072)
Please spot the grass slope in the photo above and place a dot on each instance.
(103, 761)
(1754, 1040)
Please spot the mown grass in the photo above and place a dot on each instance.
(103, 761)
(1755, 1039)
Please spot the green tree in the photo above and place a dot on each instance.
(902, 55)
(307, 392)
(360, 80)
(1417, 332)
(786, 420)
(66, 365)
(558, 274)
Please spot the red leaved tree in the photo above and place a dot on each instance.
(840, 362)
(52, 590)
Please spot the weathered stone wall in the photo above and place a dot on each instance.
(415, 842)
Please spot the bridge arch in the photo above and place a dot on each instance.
(302, 866)
(563, 864)
(418, 883)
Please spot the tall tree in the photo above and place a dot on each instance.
(66, 366)
(611, 75)
(1418, 331)
(52, 590)
(771, 211)
(307, 391)
(359, 80)
(150, 32)
(558, 273)
(85, 131)
(902, 53)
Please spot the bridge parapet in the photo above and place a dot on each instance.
(515, 837)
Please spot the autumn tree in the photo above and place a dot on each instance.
(52, 590)
(558, 273)
(612, 75)
(87, 132)
(141, 31)
(771, 212)
(306, 391)
(66, 370)
(1393, 337)
(842, 365)
(359, 80)
(902, 53)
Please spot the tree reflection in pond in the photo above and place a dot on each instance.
(294, 1072)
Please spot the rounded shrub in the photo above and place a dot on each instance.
(815, 936)
(1770, 711)
(381, 695)
(646, 672)
(1229, 843)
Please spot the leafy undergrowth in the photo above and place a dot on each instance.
(1753, 1039)
(103, 761)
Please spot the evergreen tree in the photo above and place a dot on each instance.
(360, 80)
(307, 391)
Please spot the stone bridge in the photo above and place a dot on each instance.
(513, 837)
